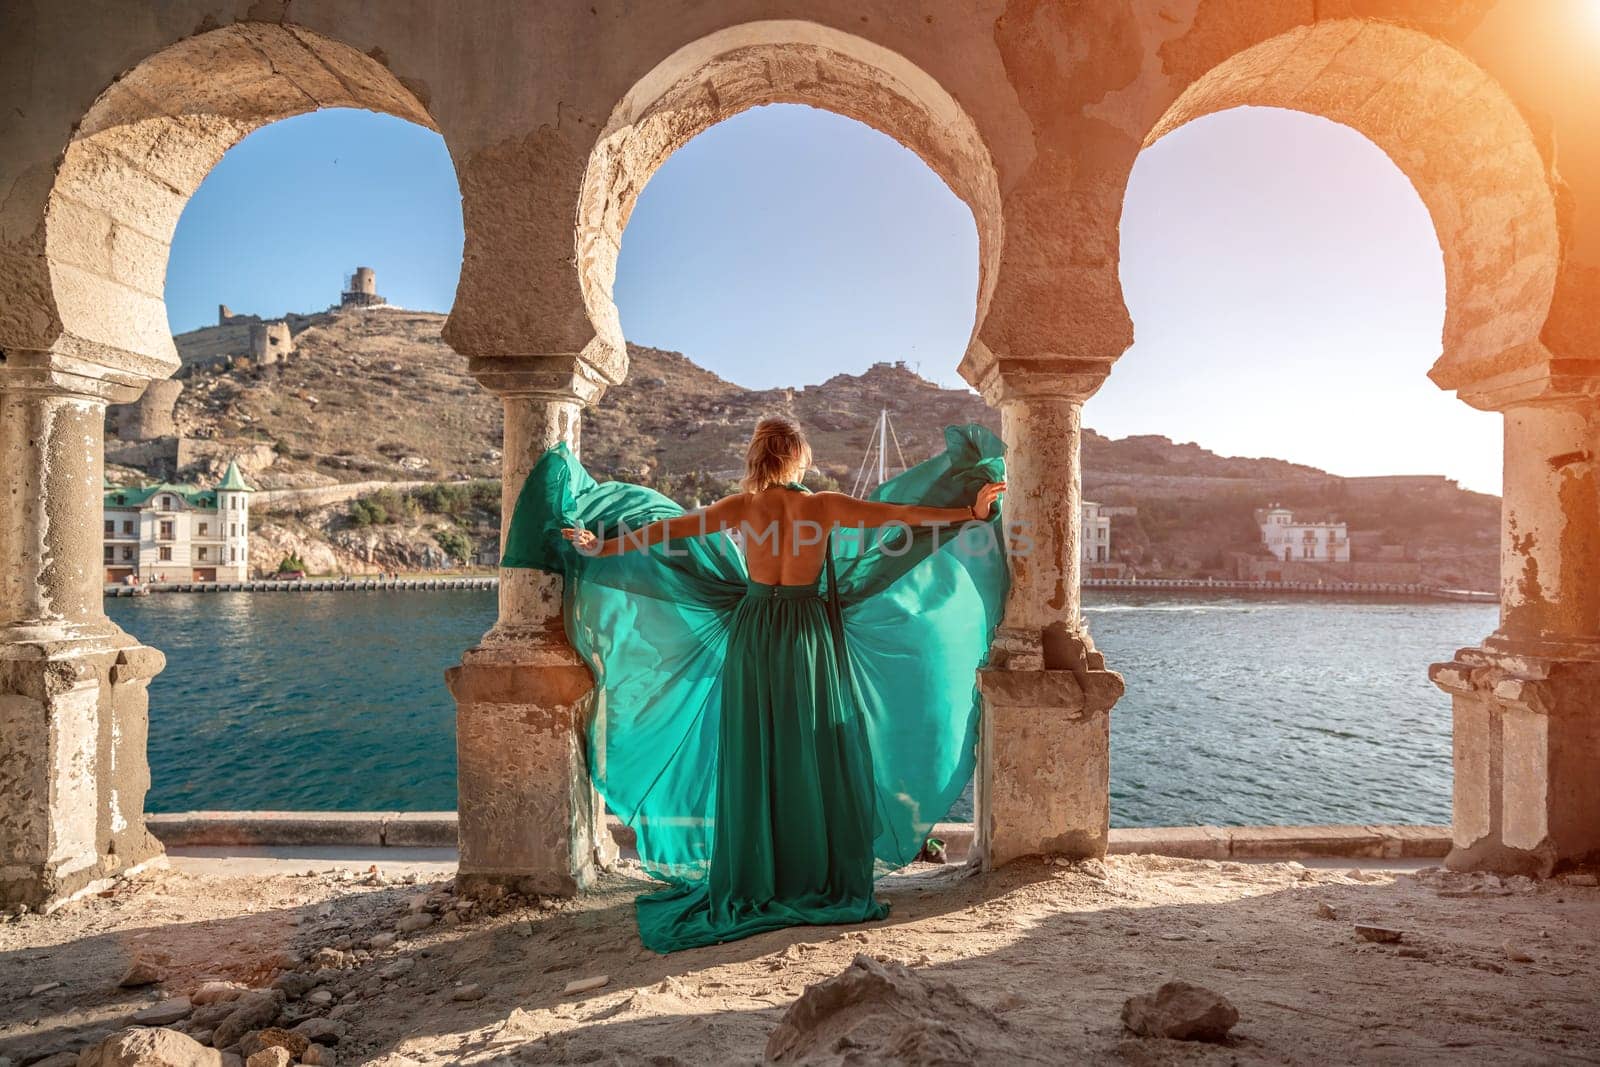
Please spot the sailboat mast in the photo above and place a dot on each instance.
(883, 445)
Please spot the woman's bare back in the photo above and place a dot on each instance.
(784, 540)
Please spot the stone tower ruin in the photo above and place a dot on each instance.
(270, 342)
(361, 289)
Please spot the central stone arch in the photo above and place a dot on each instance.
(746, 66)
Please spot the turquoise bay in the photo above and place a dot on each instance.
(1238, 710)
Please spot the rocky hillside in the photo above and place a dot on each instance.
(376, 395)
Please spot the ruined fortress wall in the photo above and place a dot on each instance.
(322, 495)
(1399, 572)
(150, 417)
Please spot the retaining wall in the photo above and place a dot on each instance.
(437, 829)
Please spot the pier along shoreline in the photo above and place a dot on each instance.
(1389, 590)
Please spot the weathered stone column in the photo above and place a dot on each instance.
(73, 710)
(1527, 703)
(1043, 782)
(530, 819)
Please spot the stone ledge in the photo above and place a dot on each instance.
(437, 829)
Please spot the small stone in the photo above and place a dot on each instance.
(294, 984)
(398, 969)
(319, 1056)
(270, 1057)
(208, 1016)
(584, 985)
(275, 1037)
(327, 959)
(142, 972)
(323, 1031)
(469, 992)
(379, 942)
(414, 923)
(253, 1011)
(1516, 955)
(1181, 1012)
(165, 1012)
(1382, 934)
(43, 987)
(216, 992)
(1326, 910)
(1583, 879)
(523, 929)
(319, 998)
(1411, 952)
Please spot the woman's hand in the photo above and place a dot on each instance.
(582, 540)
(983, 507)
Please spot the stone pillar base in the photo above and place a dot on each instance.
(1527, 760)
(1045, 772)
(530, 820)
(74, 718)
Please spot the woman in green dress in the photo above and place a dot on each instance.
(785, 680)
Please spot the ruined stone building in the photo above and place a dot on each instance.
(557, 114)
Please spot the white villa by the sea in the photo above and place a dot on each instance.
(1310, 542)
(172, 532)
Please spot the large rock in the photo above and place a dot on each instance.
(876, 1012)
(1180, 1011)
(140, 1047)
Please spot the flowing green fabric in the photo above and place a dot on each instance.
(775, 748)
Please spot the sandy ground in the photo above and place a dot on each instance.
(1487, 971)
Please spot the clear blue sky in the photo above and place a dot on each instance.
(1284, 280)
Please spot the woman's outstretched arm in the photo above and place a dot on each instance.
(845, 510)
(724, 514)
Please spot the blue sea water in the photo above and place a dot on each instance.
(1238, 710)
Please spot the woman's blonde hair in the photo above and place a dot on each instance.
(778, 453)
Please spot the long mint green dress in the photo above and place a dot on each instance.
(775, 748)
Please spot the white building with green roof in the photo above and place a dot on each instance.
(179, 533)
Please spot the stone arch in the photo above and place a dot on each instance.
(1453, 131)
(144, 147)
(746, 66)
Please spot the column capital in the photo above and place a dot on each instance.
(1548, 381)
(582, 376)
(48, 373)
(1003, 380)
